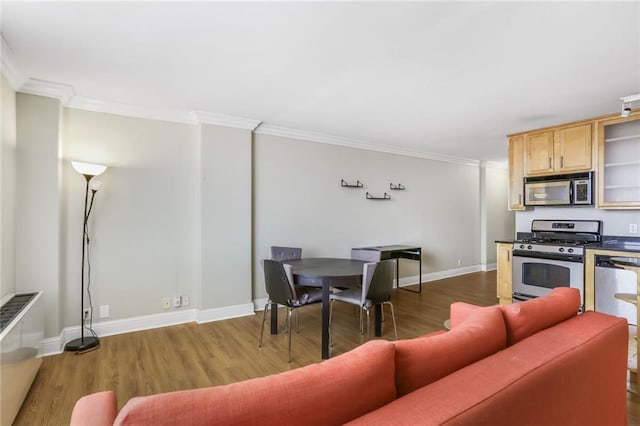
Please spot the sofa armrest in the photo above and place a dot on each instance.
(98, 409)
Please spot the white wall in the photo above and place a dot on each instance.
(144, 223)
(615, 222)
(8, 191)
(299, 202)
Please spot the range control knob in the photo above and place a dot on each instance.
(561, 249)
(522, 246)
(570, 250)
(529, 247)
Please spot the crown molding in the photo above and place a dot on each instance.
(267, 129)
(227, 120)
(95, 105)
(8, 66)
(495, 164)
(34, 86)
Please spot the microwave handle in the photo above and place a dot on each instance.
(571, 185)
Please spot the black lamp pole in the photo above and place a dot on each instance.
(84, 343)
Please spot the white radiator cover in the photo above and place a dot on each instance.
(20, 356)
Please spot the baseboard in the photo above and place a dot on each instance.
(226, 312)
(489, 267)
(434, 276)
(55, 345)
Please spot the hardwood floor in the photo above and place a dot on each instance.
(191, 356)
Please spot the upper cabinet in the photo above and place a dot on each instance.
(561, 150)
(619, 162)
(516, 173)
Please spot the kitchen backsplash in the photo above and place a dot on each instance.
(614, 222)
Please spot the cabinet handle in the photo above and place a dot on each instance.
(508, 256)
(549, 162)
(562, 161)
(519, 199)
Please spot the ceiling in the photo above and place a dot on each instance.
(423, 78)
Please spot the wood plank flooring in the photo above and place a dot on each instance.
(191, 356)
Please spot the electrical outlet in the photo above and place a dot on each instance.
(185, 300)
(177, 301)
(104, 311)
(459, 262)
(166, 303)
(633, 228)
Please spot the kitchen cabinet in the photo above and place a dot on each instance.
(516, 173)
(619, 162)
(504, 288)
(560, 150)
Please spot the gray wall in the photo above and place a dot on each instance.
(616, 222)
(8, 191)
(37, 215)
(192, 209)
(299, 202)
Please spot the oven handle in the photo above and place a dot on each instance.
(548, 256)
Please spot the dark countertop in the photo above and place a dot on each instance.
(618, 246)
(504, 241)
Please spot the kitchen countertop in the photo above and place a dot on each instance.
(612, 243)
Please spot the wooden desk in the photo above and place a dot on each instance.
(400, 252)
(326, 273)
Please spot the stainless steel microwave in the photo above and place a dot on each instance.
(559, 190)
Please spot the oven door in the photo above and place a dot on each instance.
(536, 276)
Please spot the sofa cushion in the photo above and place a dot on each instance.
(332, 392)
(526, 318)
(571, 374)
(426, 359)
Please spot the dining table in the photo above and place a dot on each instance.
(327, 273)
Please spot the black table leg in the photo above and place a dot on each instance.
(378, 321)
(274, 318)
(325, 320)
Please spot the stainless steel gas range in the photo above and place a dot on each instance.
(552, 257)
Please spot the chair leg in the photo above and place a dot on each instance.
(264, 319)
(289, 311)
(361, 321)
(330, 318)
(368, 336)
(393, 317)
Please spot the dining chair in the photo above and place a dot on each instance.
(377, 283)
(282, 291)
(366, 255)
(285, 253)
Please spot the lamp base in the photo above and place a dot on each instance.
(82, 344)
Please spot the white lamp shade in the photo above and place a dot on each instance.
(95, 184)
(88, 168)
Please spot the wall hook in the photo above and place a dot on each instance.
(384, 197)
(345, 184)
(398, 187)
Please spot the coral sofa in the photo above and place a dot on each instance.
(531, 363)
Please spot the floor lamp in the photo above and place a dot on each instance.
(89, 171)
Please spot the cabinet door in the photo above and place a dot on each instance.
(516, 173)
(538, 153)
(572, 152)
(504, 289)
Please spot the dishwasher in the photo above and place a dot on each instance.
(609, 281)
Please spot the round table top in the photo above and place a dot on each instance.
(326, 267)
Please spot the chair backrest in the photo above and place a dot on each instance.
(379, 288)
(279, 288)
(285, 253)
(366, 255)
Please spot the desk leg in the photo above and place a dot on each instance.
(419, 274)
(378, 321)
(325, 321)
(274, 318)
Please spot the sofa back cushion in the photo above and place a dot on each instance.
(526, 318)
(332, 392)
(426, 359)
